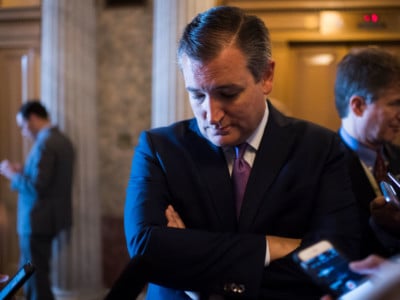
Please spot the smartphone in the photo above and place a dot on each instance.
(329, 268)
(389, 193)
(393, 179)
(13, 285)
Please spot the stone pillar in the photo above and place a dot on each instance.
(68, 90)
(170, 102)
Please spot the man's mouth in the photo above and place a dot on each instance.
(218, 130)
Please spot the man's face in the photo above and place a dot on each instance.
(226, 101)
(27, 126)
(381, 119)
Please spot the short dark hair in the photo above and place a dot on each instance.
(209, 32)
(365, 72)
(33, 107)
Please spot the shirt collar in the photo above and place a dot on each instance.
(255, 139)
(367, 155)
(44, 129)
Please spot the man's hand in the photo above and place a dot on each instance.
(3, 279)
(174, 220)
(281, 246)
(372, 265)
(385, 215)
(8, 169)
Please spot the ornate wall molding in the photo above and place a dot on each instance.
(20, 27)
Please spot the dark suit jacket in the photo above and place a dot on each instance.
(364, 194)
(45, 185)
(298, 188)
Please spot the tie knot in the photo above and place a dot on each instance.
(240, 150)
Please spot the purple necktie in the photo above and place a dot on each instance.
(380, 170)
(240, 175)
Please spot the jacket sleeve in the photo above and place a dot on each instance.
(38, 171)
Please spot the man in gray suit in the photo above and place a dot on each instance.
(44, 185)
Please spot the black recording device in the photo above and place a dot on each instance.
(15, 283)
(330, 269)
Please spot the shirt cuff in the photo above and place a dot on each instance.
(267, 257)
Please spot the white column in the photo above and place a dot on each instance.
(170, 102)
(69, 91)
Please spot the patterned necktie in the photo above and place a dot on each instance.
(380, 170)
(240, 175)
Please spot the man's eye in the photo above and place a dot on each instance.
(229, 95)
(197, 97)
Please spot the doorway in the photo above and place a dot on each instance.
(310, 94)
(19, 71)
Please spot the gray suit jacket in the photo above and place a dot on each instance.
(45, 185)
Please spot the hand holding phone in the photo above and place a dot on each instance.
(328, 268)
(12, 286)
(389, 193)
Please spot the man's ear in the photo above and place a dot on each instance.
(268, 78)
(357, 105)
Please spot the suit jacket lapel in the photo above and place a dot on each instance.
(363, 189)
(392, 153)
(275, 145)
(213, 171)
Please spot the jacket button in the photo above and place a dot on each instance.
(239, 289)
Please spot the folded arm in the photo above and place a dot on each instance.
(278, 246)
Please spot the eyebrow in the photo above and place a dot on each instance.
(221, 87)
(189, 89)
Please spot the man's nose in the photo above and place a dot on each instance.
(214, 110)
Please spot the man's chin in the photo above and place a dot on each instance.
(222, 141)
